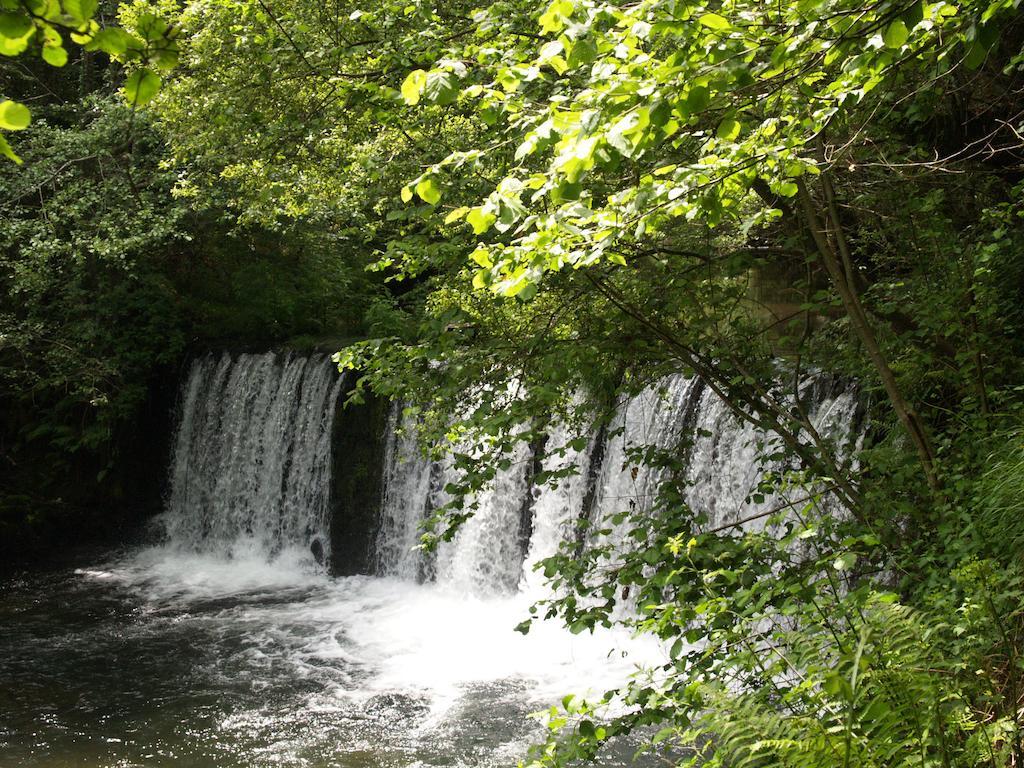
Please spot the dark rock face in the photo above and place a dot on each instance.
(357, 477)
(51, 504)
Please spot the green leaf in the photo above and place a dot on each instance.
(440, 88)
(14, 116)
(582, 52)
(527, 292)
(151, 27)
(113, 41)
(714, 21)
(456, 214)
(428, 190)
(833, 684)
(141, 86)
(14, 25)
(49, 10)
(554, 18)
(845, 561)
(728, 129)
(16, 30)
(6, 151)
(55, 55)
(482, 257)
(578, 626)
(698, 98)
(975, 55)
(406, 194)
(788, 189)
(663, 734)
(896, 34)
(479, 220)
(165, 58)
(81, 10)
(413, 85)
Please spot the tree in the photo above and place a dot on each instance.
(149, 48)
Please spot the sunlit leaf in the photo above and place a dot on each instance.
(14, 116)
(141, 86)
(413, 85)
(428, 190)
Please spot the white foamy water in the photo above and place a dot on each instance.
(429, 642)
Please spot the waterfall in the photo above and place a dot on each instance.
(727, 461)
(654, 419)
(407, 476)
(485, 556)
(250, 473)
(723, 457)
(556, 508)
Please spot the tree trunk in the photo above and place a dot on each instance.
(835, 257)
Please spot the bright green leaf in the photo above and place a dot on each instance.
(141, 86)
(16, 31)
(6, 151)
(728, 129)
(55, 55)
(896, 34)
(480, 220)
(714, 21)
(428, 190)
(554, 18)
(413, 85)
(14, 116)
(455, 215)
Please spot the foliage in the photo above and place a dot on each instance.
(148, 46)
(656, 161)
(70, 235)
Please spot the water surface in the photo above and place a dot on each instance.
(158, 658)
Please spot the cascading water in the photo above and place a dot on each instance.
(727, 464)
(724, 467)
(556, 509)
(250, 473)
(485, 556)
(404, 506)
(656, 418)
